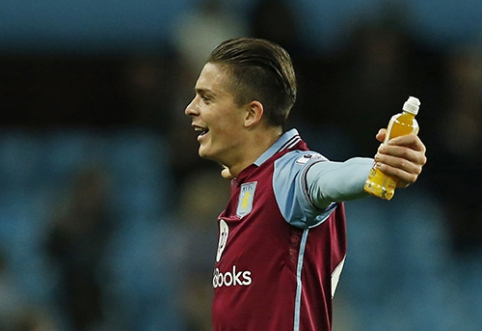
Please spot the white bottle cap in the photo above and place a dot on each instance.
(412, 105)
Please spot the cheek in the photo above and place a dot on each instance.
(221, 133)
(226, 122)
(229, 128)
(230, 137)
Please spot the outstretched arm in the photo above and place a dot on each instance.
(401, 158)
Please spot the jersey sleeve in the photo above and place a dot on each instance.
(307, 186)
(329, 182)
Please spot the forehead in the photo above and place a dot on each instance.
(215, 77)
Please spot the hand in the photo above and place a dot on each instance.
(401, 158)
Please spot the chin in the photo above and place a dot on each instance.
(203, 153)
(206, 154)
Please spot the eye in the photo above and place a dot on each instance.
(205, 98)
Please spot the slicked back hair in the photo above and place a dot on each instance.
(261, 70)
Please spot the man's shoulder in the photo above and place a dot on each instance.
(292, 164)
(298, 159)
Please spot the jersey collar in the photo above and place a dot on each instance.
(287, 140)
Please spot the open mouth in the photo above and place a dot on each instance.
(201, 131)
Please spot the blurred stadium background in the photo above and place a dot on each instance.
(107, 213)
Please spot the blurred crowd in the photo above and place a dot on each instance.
(107, 214)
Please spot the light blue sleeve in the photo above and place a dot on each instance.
(306, 185)
(330, 182)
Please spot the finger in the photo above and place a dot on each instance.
(403, 178)
(402, 169)
(392, 165)
(381, 135)
(398, 163)
(412, 141)
(408, 153)
(401, 157)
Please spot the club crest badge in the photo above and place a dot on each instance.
(246, 197)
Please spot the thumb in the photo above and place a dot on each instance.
(381, 135)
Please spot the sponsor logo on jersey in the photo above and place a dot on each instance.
(231, 278)
(246, 197)
(223, 238)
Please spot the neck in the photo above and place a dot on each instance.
(254, 147)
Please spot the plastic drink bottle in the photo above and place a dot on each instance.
(377, 183)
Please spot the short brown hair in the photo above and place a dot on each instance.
(262, 71)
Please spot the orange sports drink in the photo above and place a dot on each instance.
(404, 123)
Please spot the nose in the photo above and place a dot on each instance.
(191, 109)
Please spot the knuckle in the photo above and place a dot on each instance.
(405, 153)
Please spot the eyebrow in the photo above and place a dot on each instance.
(204, 91)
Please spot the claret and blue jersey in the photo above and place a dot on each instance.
(279, 255)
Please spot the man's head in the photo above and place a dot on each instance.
(261, 70)
(243, 96)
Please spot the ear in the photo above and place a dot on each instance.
(254, 113)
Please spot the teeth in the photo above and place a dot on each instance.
(202, 131)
